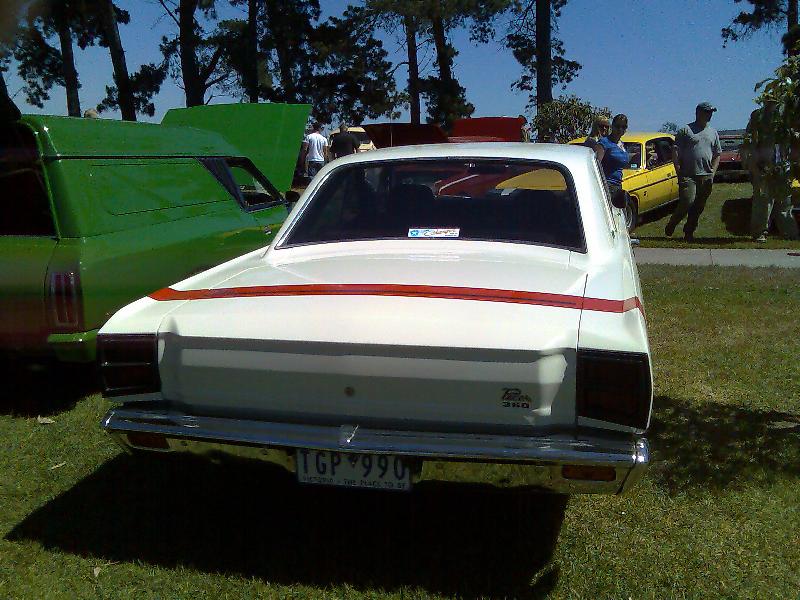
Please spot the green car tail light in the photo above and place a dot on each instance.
(64, 301)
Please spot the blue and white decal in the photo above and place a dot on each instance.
(441, 232)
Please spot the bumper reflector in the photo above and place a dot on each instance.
(143, 439)
(588, 473)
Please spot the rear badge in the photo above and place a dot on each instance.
(441, 232)
(514, 398)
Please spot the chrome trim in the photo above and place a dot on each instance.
(501, 460)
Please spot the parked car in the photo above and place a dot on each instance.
(730, 162)
(392, 334)
(796, 200)
(650, 178)
(98, 212)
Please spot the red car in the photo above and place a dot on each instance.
(730, 163)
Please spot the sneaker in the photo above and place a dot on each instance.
(669, 230)
(761, 239)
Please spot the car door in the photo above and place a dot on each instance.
(663, 181)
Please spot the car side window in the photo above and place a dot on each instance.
(659, 150)
(240, 177)
(25, 206)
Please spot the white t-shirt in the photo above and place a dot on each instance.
(316, 147)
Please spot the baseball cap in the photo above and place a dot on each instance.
(706, 106)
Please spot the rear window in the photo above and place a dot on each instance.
(731, 143)
(24, 204)
(474, 199)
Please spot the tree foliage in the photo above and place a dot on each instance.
(669, 127)
(567, 118)
(765, 14)
(522, 40)
(782, 123)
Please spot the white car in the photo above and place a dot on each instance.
(467, 312)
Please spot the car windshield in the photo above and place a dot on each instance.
(497, 200)
(731, 143)
(634, 150)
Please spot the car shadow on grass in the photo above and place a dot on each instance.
(716, 447)
(44, 388)
(256, 521)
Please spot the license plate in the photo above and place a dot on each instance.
(376, 471)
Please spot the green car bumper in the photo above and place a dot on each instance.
(74, 347)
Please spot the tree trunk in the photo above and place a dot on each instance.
(544, 60)
(284, 56)
(70, 73)
(443, 60)
(121, 77)
(413, 68)
(192, 85)
(791, 24)
(251, 68)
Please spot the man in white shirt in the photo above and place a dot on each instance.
(315, 147)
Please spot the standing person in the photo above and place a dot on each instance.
(615, 157)
(316, 147)
(600, 128)
(344, 143)
(696, 157)
(768, 164)
(524, 130)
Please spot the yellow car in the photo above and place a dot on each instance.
(650, 178)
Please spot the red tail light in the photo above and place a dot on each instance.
(65, 308)
(128, 364)
(614, 387)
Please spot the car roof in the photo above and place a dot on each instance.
(561, 153)
(633, 136)
(643, 136)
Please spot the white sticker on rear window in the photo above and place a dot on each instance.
(434, 233)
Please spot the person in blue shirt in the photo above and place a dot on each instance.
(615, 157)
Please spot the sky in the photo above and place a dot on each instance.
(653, 60)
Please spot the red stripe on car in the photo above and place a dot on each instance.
(412, 291)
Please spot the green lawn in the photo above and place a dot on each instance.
(725, 223)
(717, 515)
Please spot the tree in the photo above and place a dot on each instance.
(783, 125)
(540, 54)
(408, 16)
(567, 118)
(195, 56)
(352, 80)
(765, 14)
(42, 65)
(669, 127)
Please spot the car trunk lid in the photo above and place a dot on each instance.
(374, 340)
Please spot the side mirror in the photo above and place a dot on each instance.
(619, 199)
(291, 198)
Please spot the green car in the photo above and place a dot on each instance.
(96, 213)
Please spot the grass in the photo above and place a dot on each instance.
(716, 516)
(725, 223)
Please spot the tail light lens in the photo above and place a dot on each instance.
(65, 309)
(128, 364)
(614, 387)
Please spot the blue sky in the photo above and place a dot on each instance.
(651, 59)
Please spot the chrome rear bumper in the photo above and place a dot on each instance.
(500, 460)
